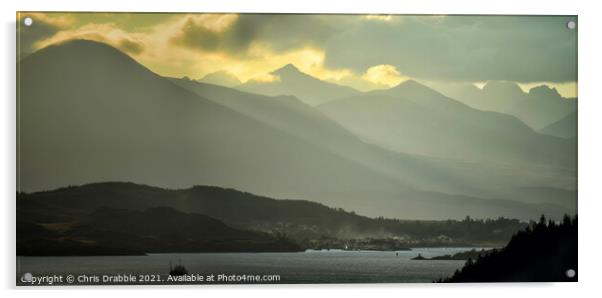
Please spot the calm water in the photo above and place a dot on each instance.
(303, 267)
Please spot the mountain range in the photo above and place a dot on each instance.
(539, 107)
(415, 119)
(289, 80)
(443, 175)
(108, 118)
(544, 106)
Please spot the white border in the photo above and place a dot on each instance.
(590, 107)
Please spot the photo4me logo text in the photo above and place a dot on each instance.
(87, 279)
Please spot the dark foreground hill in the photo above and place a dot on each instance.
(541, 253)
(300, 220)
(108, 231)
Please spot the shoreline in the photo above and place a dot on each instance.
(467, 248)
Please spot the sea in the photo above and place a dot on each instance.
(311, 266)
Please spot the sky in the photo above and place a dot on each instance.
(365, 52)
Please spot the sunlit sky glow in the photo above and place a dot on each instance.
(365, 52)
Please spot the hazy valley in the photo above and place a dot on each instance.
(407, 152)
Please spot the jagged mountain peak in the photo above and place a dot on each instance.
(544, 91)
(290, 70)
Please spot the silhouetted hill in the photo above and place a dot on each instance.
(464, 255)
(159, 221)
(108, 231)
(541, 253)
(291, 81)
(301, 220)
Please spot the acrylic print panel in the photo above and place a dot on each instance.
(164, 148)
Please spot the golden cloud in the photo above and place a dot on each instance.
(213, 22)
(155, 48)
(252, 45)
(105, 33)
(261, 59)
(384, 74)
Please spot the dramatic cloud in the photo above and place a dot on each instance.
(210, 33)
(462, 48)
(362, 51)
(383, 74)
(107, 33)
(236, 34)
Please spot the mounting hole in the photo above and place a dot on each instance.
(571, 25)
(570, 273)
(28, 21)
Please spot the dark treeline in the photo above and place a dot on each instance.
(471, 229)
(542, 252)
(463, 255)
